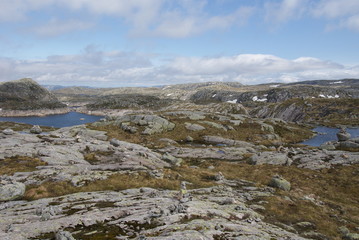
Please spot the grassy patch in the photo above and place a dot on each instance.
(335, 193)
(95, 157)
(22, 127)
(9, 166)
(198, 177)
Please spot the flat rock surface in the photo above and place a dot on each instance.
(155, 214)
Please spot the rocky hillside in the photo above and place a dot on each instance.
(280, 93)
(26, 94)
(129, 101)
(328, 112)
(188, 172)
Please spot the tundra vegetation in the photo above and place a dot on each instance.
(190, 161)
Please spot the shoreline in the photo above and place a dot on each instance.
(33, 113)
(48, 112)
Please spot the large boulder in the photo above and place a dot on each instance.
(279, 182)
(272, 158)
(348, 145)
(8, 131)
(36, 129)
(343, 135)
(153, 123)
(194, 127)
(11, 191)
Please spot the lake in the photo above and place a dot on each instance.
(58, 120)
(328, 134)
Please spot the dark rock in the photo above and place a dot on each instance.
(26, 94)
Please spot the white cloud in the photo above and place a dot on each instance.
(342, 14)
(335, 8)
(110, 69)
(351, 23)
(164, 18)
(56, 27)
(247, 64)
(281, 12)
(178, 24)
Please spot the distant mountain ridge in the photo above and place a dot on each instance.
(58, 87)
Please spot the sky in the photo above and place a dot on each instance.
(117, 43)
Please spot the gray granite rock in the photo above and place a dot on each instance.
(11, 191)
(194, 127)
(8, 131)
(279, 182)
(36, 129)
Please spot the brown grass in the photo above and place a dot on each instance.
(248, 131)
(198, 177)
(335, 190)
(9, 166)
(22, 127)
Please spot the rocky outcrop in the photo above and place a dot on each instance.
(153, 124)
(11, 191)
(273, 158)
(313, 159)
(129, 101)
(223, 153)
(26, 94)
(77, 154)
(292, 113)
(145, 213)
(226, 142)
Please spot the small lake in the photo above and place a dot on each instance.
(328, 134)
(58, 120)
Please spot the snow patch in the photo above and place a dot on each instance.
(274, 86)
(169, 94)
(329, 96)
(214, 95)
(256, 99)
(338, 82)
(232, 101)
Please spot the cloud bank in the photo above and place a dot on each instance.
(114, 69)
(173, 19)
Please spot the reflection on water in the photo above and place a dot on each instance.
(328, 134)
(58, 120)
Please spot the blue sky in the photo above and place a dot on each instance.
(113, 43)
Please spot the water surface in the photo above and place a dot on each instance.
(58, 120)
(328, 134)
